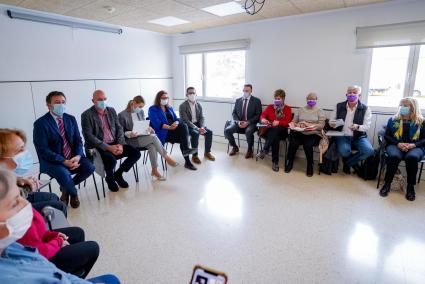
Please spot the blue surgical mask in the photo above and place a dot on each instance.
(24, 162)
(59, 109)
(137, 109)
(404, 110)
(101, 104)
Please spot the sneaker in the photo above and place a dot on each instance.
(120, 180)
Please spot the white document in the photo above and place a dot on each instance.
(335, 133)
(299, 129)
(337, 122)
(141, 127)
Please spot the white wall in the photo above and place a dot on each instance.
(314, 52)
(37, 58)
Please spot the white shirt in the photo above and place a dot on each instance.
(348, 121)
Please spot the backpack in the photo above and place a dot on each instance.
(368, 170)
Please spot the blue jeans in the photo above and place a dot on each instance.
(194, 138)
(107, 279)
(345, 144)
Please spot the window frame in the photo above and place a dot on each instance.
(409, 84)
(204, 96)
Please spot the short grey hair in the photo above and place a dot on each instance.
(7, 180)
(355, 87)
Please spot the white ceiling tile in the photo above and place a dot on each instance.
(97, 10)
(54, 6)
(169, 8)
(349, 3)
(134, 18)
(11, 2)
(308, 6)
(199, 4)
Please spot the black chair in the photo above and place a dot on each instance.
(79, 186)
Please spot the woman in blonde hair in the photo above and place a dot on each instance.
(133, 111)
(405, 138)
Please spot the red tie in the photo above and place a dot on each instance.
(66, 147)
(245, 103)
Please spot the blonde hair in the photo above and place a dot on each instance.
(7, 180)
(6, 135)
(415, 111)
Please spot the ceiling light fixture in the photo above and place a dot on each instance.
(225, 9)
(169, 21)
(33, 17)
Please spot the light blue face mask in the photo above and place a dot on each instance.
(59, 109)
(404, 110)
(101, 104)
(246, 95)
(24, 162)
(137, 109)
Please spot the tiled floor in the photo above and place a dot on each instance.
(256, 225)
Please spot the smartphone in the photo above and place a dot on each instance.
(204, 275)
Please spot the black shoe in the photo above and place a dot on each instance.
(120, 180)
(288, 166)
(112, 185)
(309, 170)
(346, 169)
(334, 167)
(190, 166)
(385, 189)
(275, 167)
(410, 192)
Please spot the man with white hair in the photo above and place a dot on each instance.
(357, 118)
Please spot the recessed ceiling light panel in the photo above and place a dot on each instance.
(225, 9)
(169, 21)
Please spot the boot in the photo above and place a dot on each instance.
(410, 192)
(385, 189)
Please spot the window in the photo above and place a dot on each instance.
(397, 72)
(219, 75)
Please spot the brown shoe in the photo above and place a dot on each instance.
(75, 203)
(249, 154)
(64, 197)
(195, 159)
(234, 151)
(209, 156)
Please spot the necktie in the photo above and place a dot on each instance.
(244, 107)
(66, 148)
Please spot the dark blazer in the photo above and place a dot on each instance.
(48, 141)
(186, 114)
(253, 112)
(158, 118)
(93, 132)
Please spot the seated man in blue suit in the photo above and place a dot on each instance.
(60, 149)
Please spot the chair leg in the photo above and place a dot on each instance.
(85, 183)
(420, 172)
(103, 187)
(50, 188)
(239, 141)
(228, 147)
(163, 166)
(172, 146)
(381, 167)
(95, 186)
(135, 172)
(145, 158)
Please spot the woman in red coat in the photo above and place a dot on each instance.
(65, 247)
(276, 117)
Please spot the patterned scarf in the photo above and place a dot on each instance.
(397, 129)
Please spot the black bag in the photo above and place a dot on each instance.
(368, 170)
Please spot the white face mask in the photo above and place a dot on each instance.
(164, 102)
(246, 95)
(191, 98)
(17, 225)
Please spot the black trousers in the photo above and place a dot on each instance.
(273, 137)
(179, 135)
(79, 257)
(308, 141)
(234, 128)
(110, 160)
(411, 158)
(39, 200)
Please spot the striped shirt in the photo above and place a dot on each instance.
(108, 137)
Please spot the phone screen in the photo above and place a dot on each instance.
(206, 276)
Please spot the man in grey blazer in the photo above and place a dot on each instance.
(246, 114)
(191, 114)
(101, 130)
